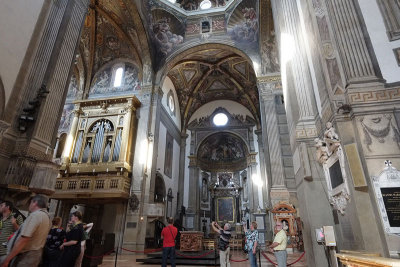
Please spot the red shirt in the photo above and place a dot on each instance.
(169, 233)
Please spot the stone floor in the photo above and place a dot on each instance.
(130, 260)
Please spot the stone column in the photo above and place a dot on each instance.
(351, 41)
(71, 136)
(151, 119)
(287, 22)
(52, 52)
(192, 216)
(123, 156)
(253, 188)
(265, 178)
(56, 147)
(272, 143)
(181, 184)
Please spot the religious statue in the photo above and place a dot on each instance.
(330, 132)
(322, 150)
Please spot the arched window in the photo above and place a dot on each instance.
(118, 77)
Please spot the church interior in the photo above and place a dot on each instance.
(208, 110)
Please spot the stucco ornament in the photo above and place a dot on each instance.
(133, 202)
(329, 153)
(340, 201)
(379, 129)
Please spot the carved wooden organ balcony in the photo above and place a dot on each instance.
(97, 162)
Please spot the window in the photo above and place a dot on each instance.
(220, 119)
(205, 4)
(118, 77)
(171, 102)
(205, 27)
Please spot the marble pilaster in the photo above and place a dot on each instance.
(71, 136)
(271, 141)
(181, 183)
(351, 40)
(124, 155)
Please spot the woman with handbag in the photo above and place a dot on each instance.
(251, 243)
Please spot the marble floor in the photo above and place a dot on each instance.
(130, 260)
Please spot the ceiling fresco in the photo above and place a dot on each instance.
(214, 74)
(111, 31)
(158, 35)
(171, 30)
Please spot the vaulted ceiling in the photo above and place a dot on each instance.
(214, 74)
(114, 30)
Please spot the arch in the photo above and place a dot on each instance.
(181, 53)
(102, 83)
(116, 61)
(2, 99)
(106, 124)
(222, 150)
(209, 72)
(213, 105)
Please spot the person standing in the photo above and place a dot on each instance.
(168, 234)
(72, 246)
(223, 244)
(55, 238)
(251, 243)
(278, 246)
(26, 246)
(86, 231)
(9, 223)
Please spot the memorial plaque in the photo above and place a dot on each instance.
(387, 192)
(391, 199)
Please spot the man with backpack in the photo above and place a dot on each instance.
(168, 234)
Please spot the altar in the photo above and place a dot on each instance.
(191, 241)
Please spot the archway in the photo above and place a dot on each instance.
(210, 72)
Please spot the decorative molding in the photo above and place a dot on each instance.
(374, 96)
(306, 132)
(396, 52)
(268, 79)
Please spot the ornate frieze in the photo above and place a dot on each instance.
(378, 96)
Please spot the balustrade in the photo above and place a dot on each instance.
(92, 187)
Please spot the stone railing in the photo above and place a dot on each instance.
(359, 259)
(92, 187)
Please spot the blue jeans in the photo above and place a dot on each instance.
(168, 251)
(252, 258)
